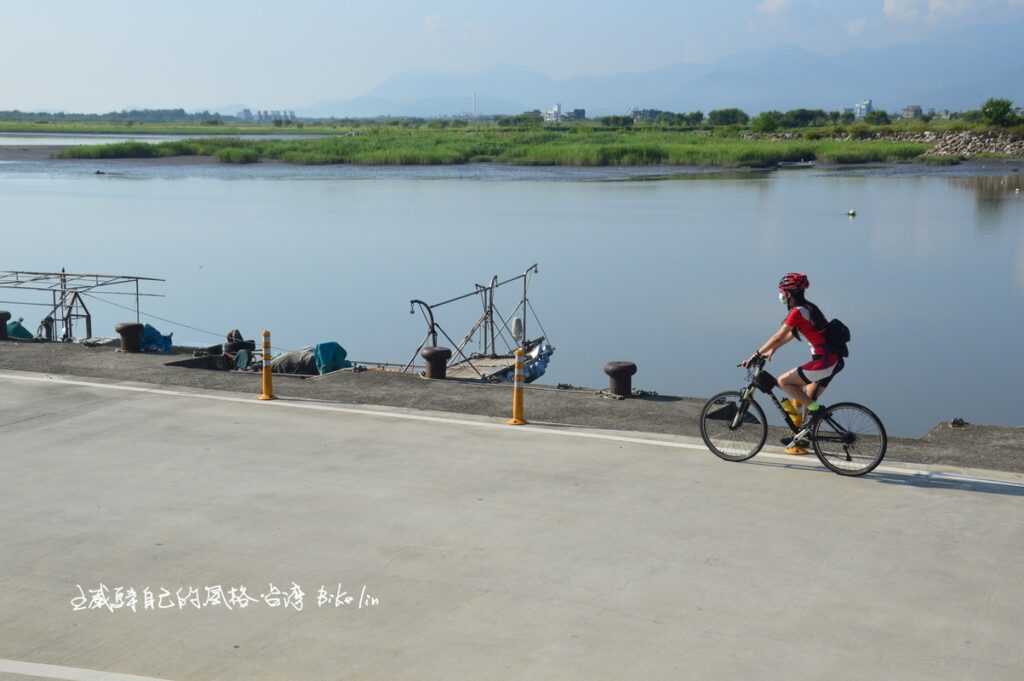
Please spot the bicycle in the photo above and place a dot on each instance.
(848, 438)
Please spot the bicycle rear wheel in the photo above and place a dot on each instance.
(731, 442)
(849, 439)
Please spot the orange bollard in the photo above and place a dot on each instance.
(268, 384)
(517, 391)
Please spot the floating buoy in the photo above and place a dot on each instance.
(852, 213)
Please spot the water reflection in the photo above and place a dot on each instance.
(993, 194)
(678, 276)
(992, 187)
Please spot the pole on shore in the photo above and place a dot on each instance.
(267, 382)
(517, 391)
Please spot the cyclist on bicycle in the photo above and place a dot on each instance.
(805, 320)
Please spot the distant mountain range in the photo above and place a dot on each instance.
(954, 71)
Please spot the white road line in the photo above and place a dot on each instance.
(285, 403)
(494, 425)
(51, 671)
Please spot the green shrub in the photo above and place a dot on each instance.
(877, 118)
(236, 155)
(115, 150)
(728, 117)
(998, 112)
(861, 132)
(767, 121)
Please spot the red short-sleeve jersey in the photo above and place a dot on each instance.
(799, 318)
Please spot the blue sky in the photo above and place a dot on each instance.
(111, 54)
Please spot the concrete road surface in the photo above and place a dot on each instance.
(467, 550)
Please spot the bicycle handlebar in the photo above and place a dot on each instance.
(759, 360)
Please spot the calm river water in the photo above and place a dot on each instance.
(676, 274)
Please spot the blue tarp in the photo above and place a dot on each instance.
(537, 362)
(330, 356)
(154, 341)
(16, 330)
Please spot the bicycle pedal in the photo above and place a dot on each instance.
(797, 451)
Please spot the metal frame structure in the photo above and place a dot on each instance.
(66, 289)
(488, 320)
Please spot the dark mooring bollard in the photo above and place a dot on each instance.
(620, 377)
(131, 336)
(5, 317)
(437, 361)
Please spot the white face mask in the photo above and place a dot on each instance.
(782, 297)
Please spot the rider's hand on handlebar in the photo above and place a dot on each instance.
(757, 356)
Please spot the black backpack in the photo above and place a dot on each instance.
(837, 335)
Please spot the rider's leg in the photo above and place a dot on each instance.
(813, 391)
(814, 377)
(795, 387)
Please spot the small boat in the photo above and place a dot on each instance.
(501, 368)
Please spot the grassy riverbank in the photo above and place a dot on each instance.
(576, 146)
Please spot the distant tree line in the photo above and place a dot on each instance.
(994, 112)
(127, 116)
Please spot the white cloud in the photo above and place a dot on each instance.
(856, 26)
(432, 23)
(902, 10)
(773, 6)
(934, 11)
(940, 8)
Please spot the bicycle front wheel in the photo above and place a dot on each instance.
(733, 428)
(849, 439)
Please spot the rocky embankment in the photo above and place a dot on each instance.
(961, 144)
(966, 144)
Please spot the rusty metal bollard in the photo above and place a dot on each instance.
(437, 361)
(131, 336)
(620, 377)
(5, 316)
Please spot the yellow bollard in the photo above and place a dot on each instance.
(268, 384)
(517, 391)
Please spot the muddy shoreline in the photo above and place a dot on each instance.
(36, 154)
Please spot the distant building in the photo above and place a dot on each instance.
(863, 109)
(554, 114)
(645, 115)
(245, 115)
(913, 111)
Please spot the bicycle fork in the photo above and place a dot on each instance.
(741, 412)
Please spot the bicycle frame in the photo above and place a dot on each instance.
(845, 437)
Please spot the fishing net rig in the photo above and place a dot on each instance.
(491, 327)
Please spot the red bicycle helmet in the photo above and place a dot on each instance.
(794, 281)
